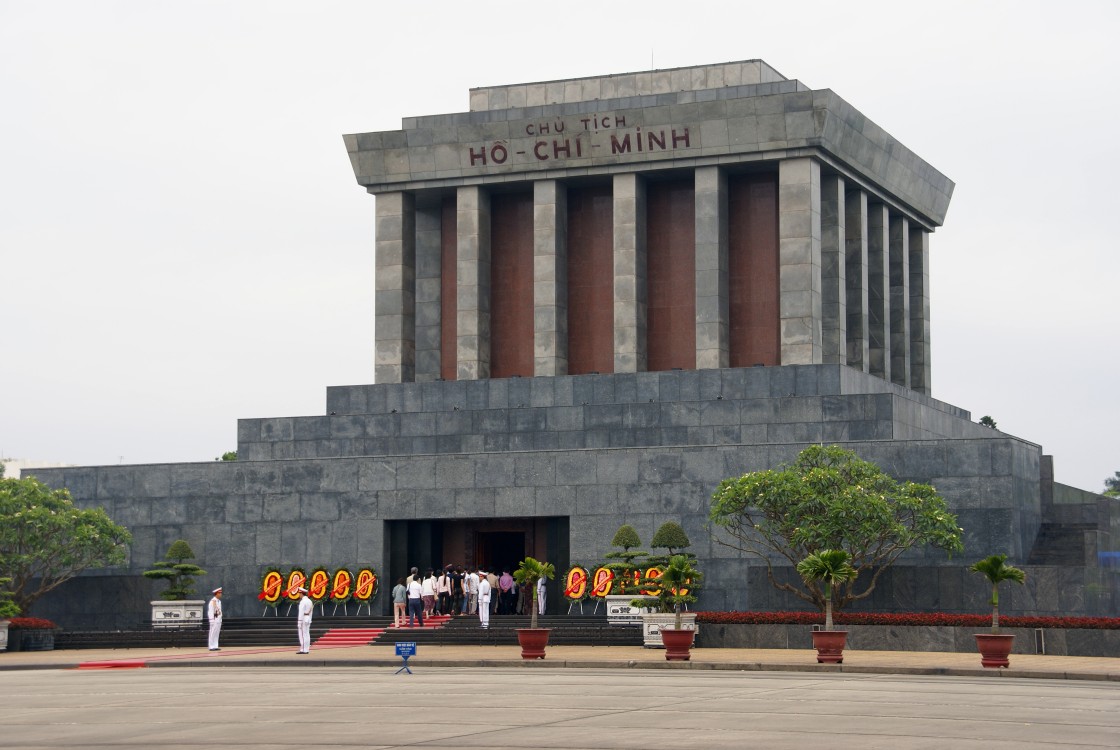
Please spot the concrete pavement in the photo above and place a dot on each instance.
(282, 703)
(597, 657)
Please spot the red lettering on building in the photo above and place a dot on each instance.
(620, 148)
(680, 138)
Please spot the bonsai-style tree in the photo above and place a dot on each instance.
(996, 570)
(671, 536)
(178, 573)
(527, 574)
(627, 538)
(45, 540)
(830, 499)
(831, 568)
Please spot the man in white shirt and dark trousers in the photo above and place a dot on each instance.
(303, 622)
(415, 602)
(214, 614)
(483, 600)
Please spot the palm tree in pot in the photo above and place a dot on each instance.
(829, 567)
(675, 587)
(995, 646)
(533, 639)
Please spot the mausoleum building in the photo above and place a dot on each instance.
(595, 299)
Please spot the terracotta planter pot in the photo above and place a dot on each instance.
(830, 645)
(678, 643)
(994, 648)
(533, 641)
(20, 639)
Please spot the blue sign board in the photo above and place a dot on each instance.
(405, 649)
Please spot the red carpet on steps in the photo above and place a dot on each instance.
(365, 636)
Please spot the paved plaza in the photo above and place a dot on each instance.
(579, 697)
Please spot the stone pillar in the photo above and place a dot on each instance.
(429, 231)
(799, 260)
(712, 284)
(550, 278)
(834, 316)
(920, 379)
(878, 291)
(472, 227)
(629, 273)
(395, 285)
(899, 257)
(855, 277)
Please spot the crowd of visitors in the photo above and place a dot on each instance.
(456, 591)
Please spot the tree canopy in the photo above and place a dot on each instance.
(830, 499)
(178, 573)
(45, 540)
(1112, 485)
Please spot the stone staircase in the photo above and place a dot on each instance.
(582, 630)
(1060, 544)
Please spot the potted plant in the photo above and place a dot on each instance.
(829, 567)
(995, 646)
(8, 610)
(673, 587)
(533, 639)
(31, 634)
(656, 610)
(176, 609)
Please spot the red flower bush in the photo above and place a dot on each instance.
(905, 619)
(31, 623)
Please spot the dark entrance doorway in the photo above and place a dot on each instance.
(489, 543)
(499, 551)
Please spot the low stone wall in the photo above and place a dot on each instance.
(1054, 641)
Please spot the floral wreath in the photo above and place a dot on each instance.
(365, 585)
(318, 585)
(576, 580)
(297, 577)
(342, 586)
(272, 587)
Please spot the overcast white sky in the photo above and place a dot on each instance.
(182, 242)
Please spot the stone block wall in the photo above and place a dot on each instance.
(600, 450)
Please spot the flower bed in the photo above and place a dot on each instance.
(907, 618)
(1069, 636)
(31, 634)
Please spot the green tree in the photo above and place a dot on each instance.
(626, 565)
(1112, 485)
(8, 608)
(670, 536)
(228, 456)
(989, 422)
(831, 568)
(45, 540)
(178, 573)
(996, 570)
(830, 499)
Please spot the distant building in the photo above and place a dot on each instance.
(13, 467)
(595, 299)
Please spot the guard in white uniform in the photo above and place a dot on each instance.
(214, 614)
(303, 622)
(540, 595)
(483, 600)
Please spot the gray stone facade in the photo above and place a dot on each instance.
(595, 450)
